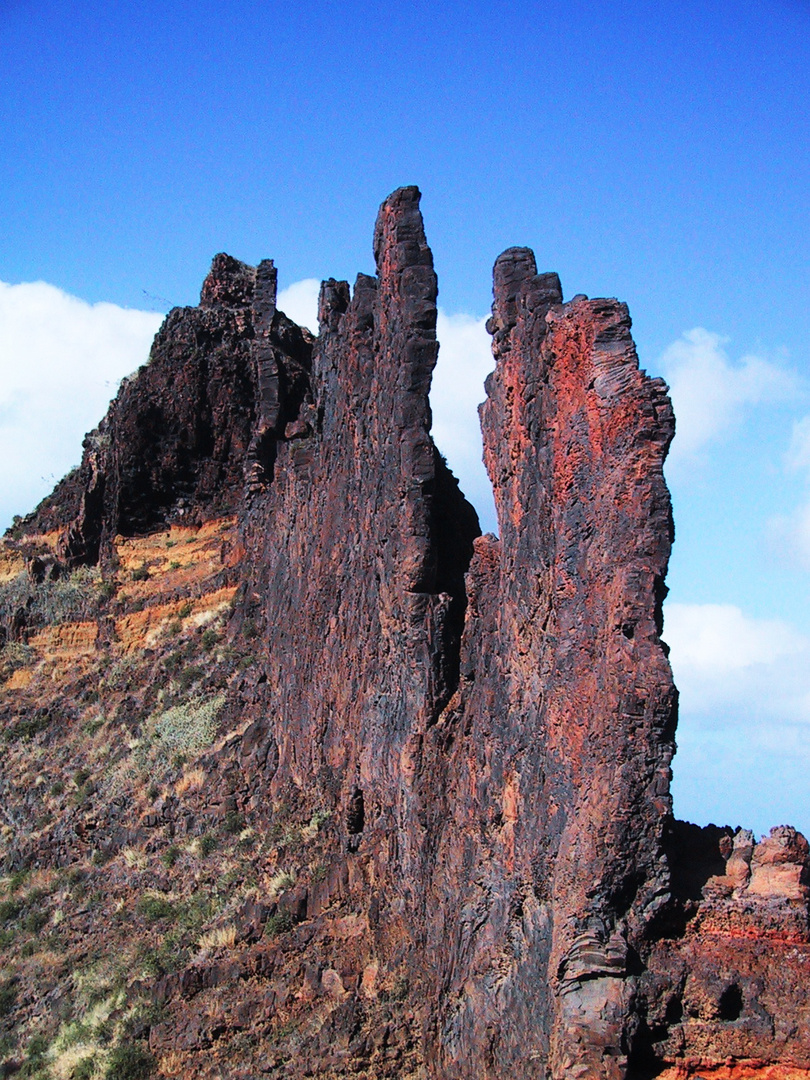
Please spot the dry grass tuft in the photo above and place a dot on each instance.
(222, 937)
(192, 780)
(134, 858)
(279, 883)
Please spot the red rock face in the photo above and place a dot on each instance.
(486, 724)
(565, 718)
(727, 988)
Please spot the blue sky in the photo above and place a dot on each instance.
(653, 151)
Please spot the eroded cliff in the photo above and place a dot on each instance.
(355, 790)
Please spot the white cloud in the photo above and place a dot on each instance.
(60, 363)
(744, 728)
(718, 642)
(299, 302)
(790, 535)
(465, 360)
(798, 455)
(710, 394)
(790, 532)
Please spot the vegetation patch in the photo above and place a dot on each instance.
(14, 656)
(155, 908)
(279, 923)
(130, 1061)
(182, 731)
(49, 603)
(221, 937)
(28, 727)
(8, 997)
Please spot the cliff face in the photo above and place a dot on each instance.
(567, 705)
(431, 767)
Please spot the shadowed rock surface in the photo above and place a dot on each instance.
(355, 791)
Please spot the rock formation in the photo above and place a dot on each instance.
(442, 759)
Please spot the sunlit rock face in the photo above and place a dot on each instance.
(566, 713)
(440, 767)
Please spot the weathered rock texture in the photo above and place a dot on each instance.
(564, 734)
(452, 751)
(206, 412)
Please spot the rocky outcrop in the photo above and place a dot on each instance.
(532, 803)
(185, 432)
(562, 733)
(454, 750)
(730, 985)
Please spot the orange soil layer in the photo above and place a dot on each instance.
(180, 560)
(19, 679)
(11, 564)
(739, 1070)
(140, 629)
(174, 559)
(69, 640)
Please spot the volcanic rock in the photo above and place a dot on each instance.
(348, 784)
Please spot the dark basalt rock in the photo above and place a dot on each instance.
(199, 420)
(488, 721)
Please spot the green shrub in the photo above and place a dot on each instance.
(52, 602)
(279, 923)
(151, 964)
(13, 656)
(319, 818)
(10, 909)
(140, 573)
(182, 731)
(35, 1054)
(209, 638)
(130, 1061)
(188, 676)
(155, 908)
(234, 822)
(207, 843)
(8, 998)
(35, 920)
(84, 1069)
(28, 727)
(173, 662)
(170, 855)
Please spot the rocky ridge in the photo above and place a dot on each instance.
(355, 790)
